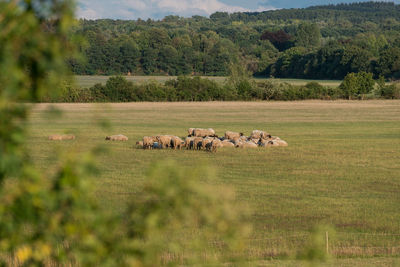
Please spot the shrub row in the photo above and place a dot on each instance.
(118, 89)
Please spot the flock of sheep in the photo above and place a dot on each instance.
(206, 139)
(198, 139)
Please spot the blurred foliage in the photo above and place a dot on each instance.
(56, 220)
(315, 252)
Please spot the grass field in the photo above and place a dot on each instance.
(88, 81)
(342, 167)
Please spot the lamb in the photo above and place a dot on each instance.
(231, 135)
(118, 137)
(61, 137)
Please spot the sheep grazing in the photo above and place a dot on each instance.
(206, 141)
(197, 142)
(61, 137)
(247, 144)
(189, 142)
(191, 132)
(148, 142)
(118, 137)
(177, 142)
(257, 134)
(232, 135)
(227, 143)
(199, 139)
(204, 132)
(164, 140)
(215, 144)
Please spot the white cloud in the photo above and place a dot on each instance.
(133, 9)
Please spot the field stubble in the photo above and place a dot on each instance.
(341, 167)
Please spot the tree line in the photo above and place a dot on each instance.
(322, 42)
(118, 89)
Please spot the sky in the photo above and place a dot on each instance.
(157, 9)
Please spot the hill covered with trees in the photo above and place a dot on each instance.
(320, 42)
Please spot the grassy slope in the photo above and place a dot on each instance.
(341, 167)
(88, 81)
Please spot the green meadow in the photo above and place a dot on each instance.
(341, 168)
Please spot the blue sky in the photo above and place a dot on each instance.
(157, 9)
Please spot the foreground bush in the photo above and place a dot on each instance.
(56, 221)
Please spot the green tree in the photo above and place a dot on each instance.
(357, 85)
(308, 35)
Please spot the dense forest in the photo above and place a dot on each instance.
(320, 42)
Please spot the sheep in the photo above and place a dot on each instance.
(191, 132)
(227, 143)
(148, 142)
(232, 135)
(196, 142)
(281, 142)
(164, 140)
(61, 137)
(247, 145)
(215, 144)
(189, 142)
(177, 142)
(206, 141)
(118, 137)
(255, 141)
(257, 134)
(204, 133)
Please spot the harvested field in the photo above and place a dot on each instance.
(341, 167)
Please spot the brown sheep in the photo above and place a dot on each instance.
(61, 137)
(118, 137)
(231, 135)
